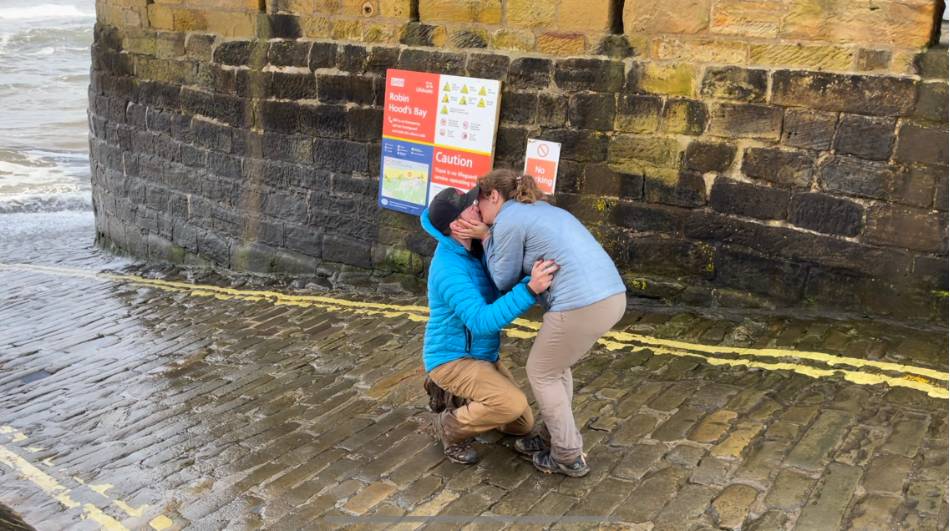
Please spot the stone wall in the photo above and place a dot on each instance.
(725, 152)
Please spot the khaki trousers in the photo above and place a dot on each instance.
(564, 338)
(495, 401)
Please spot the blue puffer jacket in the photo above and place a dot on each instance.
(466, 314)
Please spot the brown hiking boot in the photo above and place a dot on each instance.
(460, 452)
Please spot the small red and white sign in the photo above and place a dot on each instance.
(540, 162)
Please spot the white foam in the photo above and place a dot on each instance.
(44, 11)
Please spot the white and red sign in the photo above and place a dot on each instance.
(438, 131)
(540, 162)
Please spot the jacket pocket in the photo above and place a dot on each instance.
(468, 340)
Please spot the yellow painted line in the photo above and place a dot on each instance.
(58, 492)
(912, 377)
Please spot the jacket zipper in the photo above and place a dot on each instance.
(468, 340)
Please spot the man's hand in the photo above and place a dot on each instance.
(476, 231)
(542, 274)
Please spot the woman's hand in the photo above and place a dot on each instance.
(476, 231)
(542, 274)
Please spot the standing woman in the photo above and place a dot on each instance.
(585, 300)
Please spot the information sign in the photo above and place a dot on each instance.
(438, 131)
(541, 158)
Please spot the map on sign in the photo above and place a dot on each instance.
(438, 131)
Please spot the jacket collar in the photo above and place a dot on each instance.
(449, 242)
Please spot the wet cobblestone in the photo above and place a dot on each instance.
(178, 406)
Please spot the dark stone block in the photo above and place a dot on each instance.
(364, 124)
(932, 63)
(421, 243)
(275, 146)
(932, 102)
(355, 185)
(430, 61)
(341, 155)
(212, 135)
(580, 146)
(688, 117)
(530, 73)
(157, 94)
(134, 115)
(289, 53)
(601, 180)
(638, 113)
(709, 156)
(223, 165)
(596, 75)
(352, 58)
(941, 192)
(877, 95)
(304, 239)
(467, 39)
(281, 116)
(193, 157)
(286, 206)
(808, 129)
(488, 66)
(591, 111)
(282, 26)
(346, 88)
(797, 245)
(323, 55)
(823, 213)
(906, 227)
(382, 58)
(343, 250)
(519, 107)
(735, 83)
(776, 278)
(669, 256)
(552, 109)
(915, 185)
(733, 197)
(647, 218)
(234, 53)
(746, 121)
(510, 143)
(570, 177)
(293, 86)
(918, 143)
(328, 121)
(931, 272)
(689, 190)
(252, 83)
(856, 177)
(231, 110)
(785, 168)
(865, 136)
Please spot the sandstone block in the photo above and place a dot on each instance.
(592, 111)
(460, 11)
(584, 15)
(683, 189)
(899, 24)
(677, 80)
(561, 43)
(794, 55)
(761, 18)
(634, 152)
(700, 50)
(931, 64)
(868, 60)
(906, 227)
(512, 39)
(675, 16)
(932, 102)
(530, 14)
(732, 505)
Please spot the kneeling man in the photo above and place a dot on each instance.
(466, 315)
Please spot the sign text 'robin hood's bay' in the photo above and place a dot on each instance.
(438, 131)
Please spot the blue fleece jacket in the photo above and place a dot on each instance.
(466, 314)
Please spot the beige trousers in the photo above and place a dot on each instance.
(564, 338)
(495, 401)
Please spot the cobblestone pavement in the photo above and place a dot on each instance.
(143, 401)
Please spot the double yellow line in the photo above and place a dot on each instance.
(821, 364)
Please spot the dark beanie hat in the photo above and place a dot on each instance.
(448, 205)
